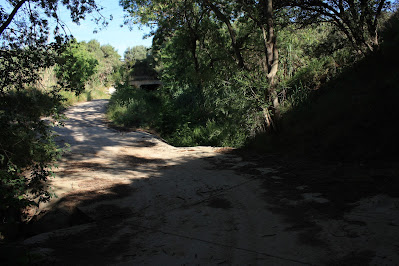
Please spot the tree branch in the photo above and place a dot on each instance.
(11, 16)
(230, 28)
(378, 13)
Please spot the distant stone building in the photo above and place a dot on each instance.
(145, 82)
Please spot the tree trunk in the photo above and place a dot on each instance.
(271, 58)
(232, 33)
(194, 55)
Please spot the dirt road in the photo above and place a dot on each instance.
(131, 199)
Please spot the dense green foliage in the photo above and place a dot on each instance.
(91, 67)
(28, 135)
(27, 147)
(138, 62)
(214, 61)
(109, 64)
(76, 65)
(134, 54)
(184, 117)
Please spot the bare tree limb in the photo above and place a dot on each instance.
(11, 16)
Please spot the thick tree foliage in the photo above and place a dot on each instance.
(241, 63)
(27, 148)
(134, 54)
(75, 67)
(107, 71)
(357, 19)
(138, 63)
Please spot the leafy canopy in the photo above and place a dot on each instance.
(76, 65)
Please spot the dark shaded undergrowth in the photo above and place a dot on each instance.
(350, 118)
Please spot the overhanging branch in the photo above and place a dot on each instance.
(11, 16)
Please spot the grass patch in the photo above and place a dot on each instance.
(70, 98)
(180, 120)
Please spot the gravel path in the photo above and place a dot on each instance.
(131, 199)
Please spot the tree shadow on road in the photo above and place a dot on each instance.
(110, 224)
(264, 208)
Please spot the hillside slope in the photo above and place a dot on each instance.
(353, 117)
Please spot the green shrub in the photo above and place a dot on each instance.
(133, 107)
(26, 146)
(314, 74)
(218, 114)
(76, 65)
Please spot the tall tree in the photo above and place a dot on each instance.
(262, 13)
(174, 14)
(357, 19)
(134, 54)
(108, 62)
(75, 66)
(226, 18)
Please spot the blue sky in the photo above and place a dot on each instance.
(119, 38)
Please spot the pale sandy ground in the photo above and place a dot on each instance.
(131, 199)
